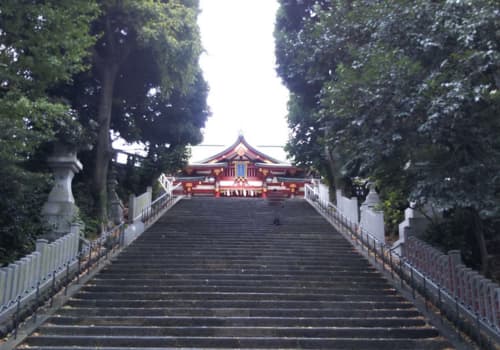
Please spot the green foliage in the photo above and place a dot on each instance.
(145, 83)
(164, 122)
(405, 93)
(64, 64)
(139, 172)
(86, 205)
(42, 43)
(456, 231)
(23, 194)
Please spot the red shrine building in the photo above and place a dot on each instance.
(240, 171)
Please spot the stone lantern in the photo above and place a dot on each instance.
(60, 210)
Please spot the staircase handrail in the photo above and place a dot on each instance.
(159, 206)
(482, 329)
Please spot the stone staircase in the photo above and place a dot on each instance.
(216, 273)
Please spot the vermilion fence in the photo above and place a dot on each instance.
(477, 293)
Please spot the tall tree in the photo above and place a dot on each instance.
(143, 45)
(42, 43)
(312, 39)
(411, 96)
(166, 124)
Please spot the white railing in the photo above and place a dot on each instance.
(27, 283)
(470, 315)
(160, 205)
(138, 204)
(22, 276)
(144, 202)
(348, 206)
(143, 212)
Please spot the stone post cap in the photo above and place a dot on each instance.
(372, 199)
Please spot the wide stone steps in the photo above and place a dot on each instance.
(229, 342)
(179, 321)
(260, 290)
(279, 281)
(349, 310)
(288, 303)
(215, 274)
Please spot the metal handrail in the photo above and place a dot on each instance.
(158, 206)
(485, 333)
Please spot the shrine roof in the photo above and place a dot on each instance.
(189, 178)
(293, 179)
(240, 149)
(207, 165)
(270, 165)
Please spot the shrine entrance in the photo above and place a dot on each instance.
(240, 171)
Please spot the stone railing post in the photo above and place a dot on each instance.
(131, 208)
(454, 259)
(14, 269)
(3, 286)
(372, 219)
(42, 248)
(75, 231)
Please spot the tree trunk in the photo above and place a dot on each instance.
(103, 149)
(481, 241)
(338, 182)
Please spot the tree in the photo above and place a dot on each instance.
(411, 97)
(312, 39)
(41, 45)
(144, 46)
(167, 124)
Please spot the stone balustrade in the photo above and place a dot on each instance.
(21, 277)
(138, 204)
(458, 291)
(348, 206)
(479, 294)
(143, 212)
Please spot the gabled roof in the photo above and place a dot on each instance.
(241, 149)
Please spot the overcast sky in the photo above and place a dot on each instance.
(239, 65)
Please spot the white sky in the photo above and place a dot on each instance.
(239, 64)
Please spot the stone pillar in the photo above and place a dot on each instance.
(3, 286)
(454, 260)
(131, 208)
(372, 219)
(76, 228)
(42, 246)
(60, 209)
